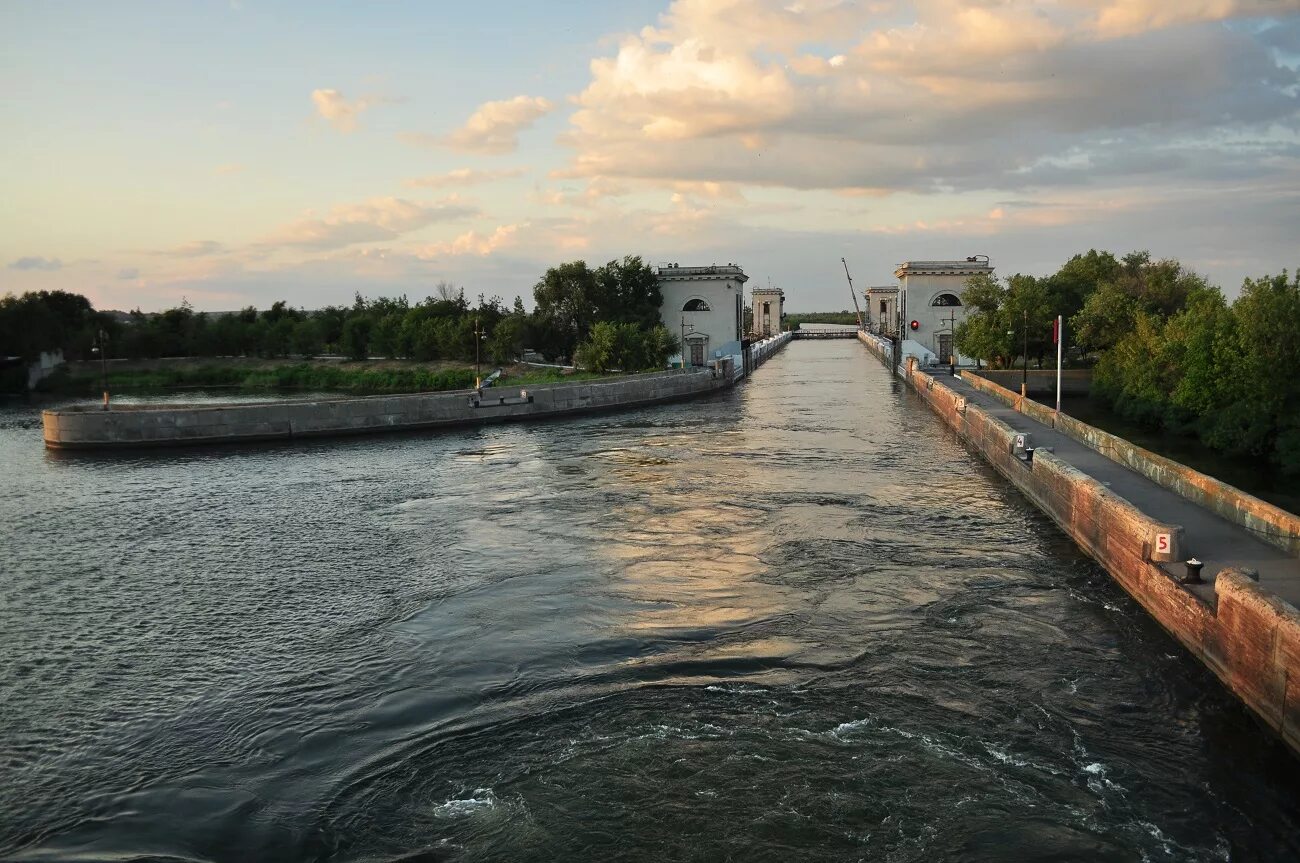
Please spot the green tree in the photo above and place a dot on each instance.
(355, 339)
(565, 309)
(307, 339)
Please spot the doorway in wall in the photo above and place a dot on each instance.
(697, 353)
(945, 347)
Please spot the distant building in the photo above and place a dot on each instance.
(704, 306)
(930, 305)
(882, 309)
(767, 306)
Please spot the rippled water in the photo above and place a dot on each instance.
(796, 621)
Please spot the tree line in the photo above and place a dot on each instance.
(1171, 352)
(609, 313)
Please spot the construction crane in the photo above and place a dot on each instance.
(853, 294)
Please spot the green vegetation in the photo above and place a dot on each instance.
(1171, 353)
(302, 376)
(626, 347)
(576, 307)
(793, 321)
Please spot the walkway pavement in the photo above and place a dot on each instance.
(1206, 536)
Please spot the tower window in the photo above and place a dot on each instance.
(946, 300)
(696, 306)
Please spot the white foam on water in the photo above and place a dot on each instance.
(483, 800)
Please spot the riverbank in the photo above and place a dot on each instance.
(316, 375)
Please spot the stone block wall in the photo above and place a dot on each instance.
(1250, 639)
(92, 428)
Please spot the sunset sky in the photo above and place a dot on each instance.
(237, 153)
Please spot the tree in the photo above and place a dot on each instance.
(627, 291)
(507, 339)
(565, 308)
(355, 340)
(307, 340)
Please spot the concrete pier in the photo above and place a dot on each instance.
(1141, 517)
(90, 427)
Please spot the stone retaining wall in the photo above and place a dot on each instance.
(881, 347)
(1270, 523)
(141, 426)
(1250, 639)
(1074, 382)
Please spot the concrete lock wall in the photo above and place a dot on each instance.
(1250, 639)
(1074, 382)
(92, 428)
(1275, 526)
(883, 348)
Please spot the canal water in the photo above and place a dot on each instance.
(795, 621)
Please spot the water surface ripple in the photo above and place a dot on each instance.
(795, 621)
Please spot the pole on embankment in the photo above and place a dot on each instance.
(1060, 346)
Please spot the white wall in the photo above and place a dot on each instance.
(933, 320)
(718, 324)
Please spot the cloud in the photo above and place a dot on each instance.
(37, 263)
(1126, 17)
(929, 96)
(128, 274)
(494, 128)
(341, 113)
(370, 221)
(462, 177)
(470, 243)
(228, 169)
(194, 249)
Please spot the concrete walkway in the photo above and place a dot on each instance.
(1206, 536)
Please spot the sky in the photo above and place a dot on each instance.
(240, 152)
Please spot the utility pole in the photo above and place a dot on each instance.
(1060, 349)
(478, 337)
(952, 344)
(103, 362)
(1024, 376)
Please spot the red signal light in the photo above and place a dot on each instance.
(916, 325)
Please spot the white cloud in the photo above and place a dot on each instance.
(194, 249)
(370, 221)
(341, 113)
(494, 128)
(463, 177)
(470, 243)
(931, 96)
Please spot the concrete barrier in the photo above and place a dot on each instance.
(883, 348)
(1272, 524)
(1250, 639)
(143, 426)
(1074, 382)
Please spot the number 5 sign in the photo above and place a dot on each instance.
(1163, 543)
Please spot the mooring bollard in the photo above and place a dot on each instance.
(1193, 571)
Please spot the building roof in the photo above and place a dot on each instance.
(767, 291)
(883, 289)
(973, 266)
(714, 271)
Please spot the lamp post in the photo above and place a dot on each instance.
(478, 337)
(101, 345)
(1024, 375)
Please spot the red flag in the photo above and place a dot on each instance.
(1056, 330)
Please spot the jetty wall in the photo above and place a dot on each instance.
(1266, 521)
(133, 426)
(144, 426)
(1249, 637)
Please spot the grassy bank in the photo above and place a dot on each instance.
(355, 378)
